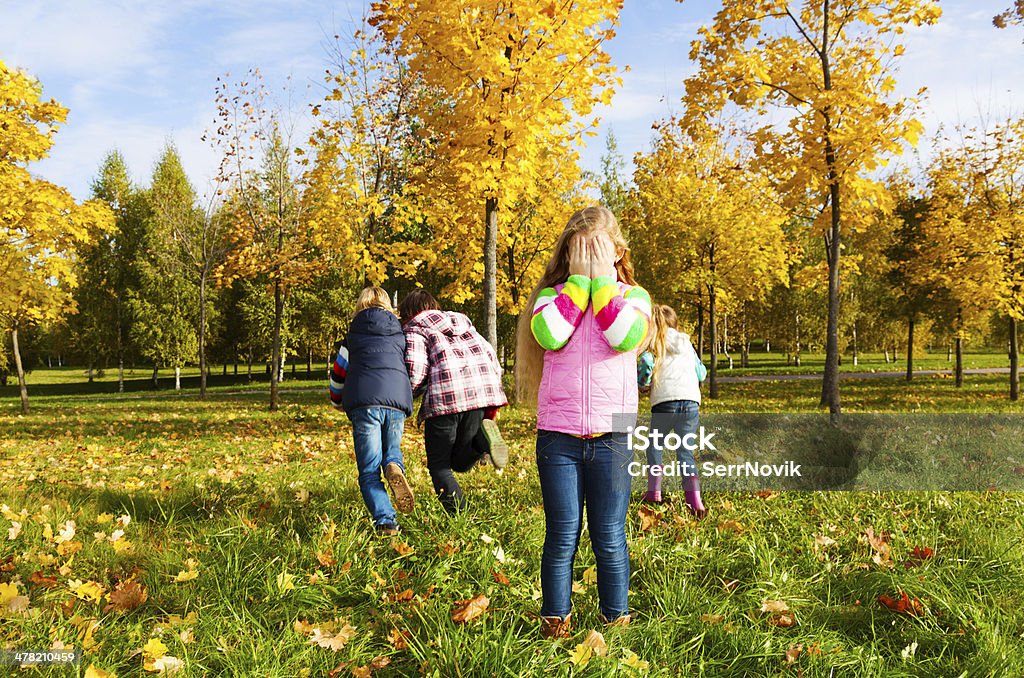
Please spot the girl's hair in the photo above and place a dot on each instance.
(415, 303)
(529, 354)
(662, 318)
(373, 297)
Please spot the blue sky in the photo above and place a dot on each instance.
(135, 74)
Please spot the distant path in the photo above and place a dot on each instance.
(857, 375)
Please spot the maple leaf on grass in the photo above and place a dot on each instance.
(126, 596)
(468, 610)
(648, 518)
(902, 605)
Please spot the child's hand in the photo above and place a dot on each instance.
(579, 256)
(602, 256)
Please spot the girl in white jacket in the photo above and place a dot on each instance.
(673, 371)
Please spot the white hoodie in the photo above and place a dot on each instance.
(675, 377)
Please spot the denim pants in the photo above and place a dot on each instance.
(377, 432)
(454, 444)
(684, 416)
(577, 472)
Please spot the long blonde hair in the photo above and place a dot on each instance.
(662, 319)
(530, 354)
(373, 297)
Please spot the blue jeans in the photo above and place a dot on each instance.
(575, 472)
(684, 416)
(377, 433)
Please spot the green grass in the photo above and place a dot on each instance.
(253, 496)
(813, 363)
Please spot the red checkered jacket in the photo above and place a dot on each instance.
(454, 367)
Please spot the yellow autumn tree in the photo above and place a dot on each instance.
(707, 225)
(820, 71)
(956, 251)
(987, 167)
(41, 226)
(364, 149)
(273, 241)
(508, 81)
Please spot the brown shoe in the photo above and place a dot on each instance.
(623, 620)
(399, 487)
(556, 627)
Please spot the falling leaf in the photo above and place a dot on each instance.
(880, 545)
(333, 641)
(94, 672)
(595, 641)
(399, 639)
(67, 533)
(631, 660)
(784, 620)
(590, 575)
(766, 494)
(14, 530)
(402, 549)
(774, 606)
(401, 597)
(712, 618)
(648, 518)
(186, 575)
(499, 554)
(126, 596)
(904, 605)
(500, 577)
(327, 559)
(486, 538)
(731, 525)
(581, 655)
(467, 610)
(793, 652)
(89, 590)
(166, 664)
(154, 649)
(285, 582)
(823, 540)
(37, 578)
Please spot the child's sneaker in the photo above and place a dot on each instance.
(387, 529)
(399, 487)
(497, 447)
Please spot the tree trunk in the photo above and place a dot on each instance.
(275, 358)
(90, 372)
(796, 357)
(910, 348)
(120, 347)
(490, 272)
(22, 386)
(309, 362)
(700, 325)
(1014, 371)
(830, 380)
(855, 344)
(959, 362)
(949, 351)
(202, 336)
(712, 339)
(156, 377)
(744, 341)
(177, 378)
(225, 371)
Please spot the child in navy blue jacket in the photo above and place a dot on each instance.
(370, 382)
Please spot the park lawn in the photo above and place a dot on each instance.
(259, 515)
(814, 363)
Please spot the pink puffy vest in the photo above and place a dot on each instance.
(586, 382)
